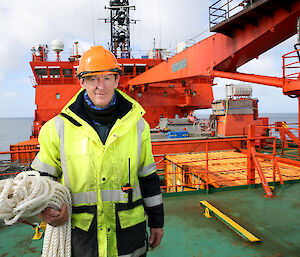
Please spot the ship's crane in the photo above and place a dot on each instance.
(245, 29)
(270, 24)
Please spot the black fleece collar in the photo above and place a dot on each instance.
(123, 107)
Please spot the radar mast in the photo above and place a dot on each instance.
(120, 27)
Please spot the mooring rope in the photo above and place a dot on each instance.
(28, 194)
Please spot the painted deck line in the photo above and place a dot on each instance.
(231, 223)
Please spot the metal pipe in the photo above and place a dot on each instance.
(258, 79)
(260, 173)
(207, 179)
(299, 120)
(228, 8)
(298, 29)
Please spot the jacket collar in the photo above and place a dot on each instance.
(126, 107)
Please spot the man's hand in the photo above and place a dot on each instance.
(54, 217)
(156, 235)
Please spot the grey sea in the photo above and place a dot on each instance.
(15, 130)
(290, 118)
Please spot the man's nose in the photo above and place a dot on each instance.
(99, 82)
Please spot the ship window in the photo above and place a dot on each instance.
(165, 94)
(67, 73)
(194, 93)
(41, 73)
(139, 94)
(128, 70)
(54, 73)
(140, 69)
(57, 96)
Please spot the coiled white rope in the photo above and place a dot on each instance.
(29, 194)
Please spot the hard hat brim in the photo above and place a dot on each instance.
(102, 72)
(98, 73)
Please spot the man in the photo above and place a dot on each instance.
(99, 147)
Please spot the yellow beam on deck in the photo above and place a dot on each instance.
(231, 223)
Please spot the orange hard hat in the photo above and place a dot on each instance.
(98, 60)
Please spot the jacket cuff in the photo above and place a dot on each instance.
(155, 216)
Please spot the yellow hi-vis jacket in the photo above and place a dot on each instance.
(71, 150)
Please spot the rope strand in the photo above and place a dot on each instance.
(27, 195)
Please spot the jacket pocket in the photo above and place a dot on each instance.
(84, 235)
(131, 217)
(130, 227)
(82, 220)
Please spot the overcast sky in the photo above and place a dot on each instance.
(25, 24)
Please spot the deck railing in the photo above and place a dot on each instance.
(232, 168)
(258, 160)
(224, 9)
(287, 140)
(291, 65)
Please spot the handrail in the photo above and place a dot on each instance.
(219, 11)
(261, 173)
(288, 65)
(20, 151)
(208, 169)
(203, 169)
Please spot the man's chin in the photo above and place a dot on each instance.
(101, 104)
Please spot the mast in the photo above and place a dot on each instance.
(120, 27)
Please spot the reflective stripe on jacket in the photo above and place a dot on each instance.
(70, 149)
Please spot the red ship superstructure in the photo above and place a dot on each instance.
(56, 83)
(56, 80)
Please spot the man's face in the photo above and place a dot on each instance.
(100, 88)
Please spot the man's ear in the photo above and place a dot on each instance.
(117, 81)
(81, 83)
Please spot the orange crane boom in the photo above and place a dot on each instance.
(245, 36)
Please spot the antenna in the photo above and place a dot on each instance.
(93, 24)
(159, 18)
(298, 29)
(120, 27)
